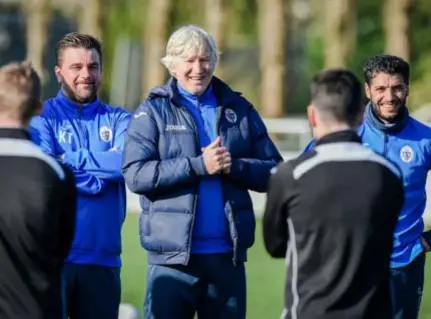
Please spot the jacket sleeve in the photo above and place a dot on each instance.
(274, 223)
(67, 222)
(103, 165)
(43, 135)
(143, 170)
(253, 173)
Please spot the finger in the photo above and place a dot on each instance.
(215, 143)
(221, 150)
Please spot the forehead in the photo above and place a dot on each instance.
(385, 79)
(79, 55)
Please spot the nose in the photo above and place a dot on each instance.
(85, 73)
(390, 95)
(198, 67)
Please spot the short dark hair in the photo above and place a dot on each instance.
(77, 40)
(388, 64)
(338, 94)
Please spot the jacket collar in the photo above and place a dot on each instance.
(392, 128)
(223, 93)
(340, 136)
(86, 108)
(17, 133)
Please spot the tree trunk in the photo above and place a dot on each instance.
(90, 19)
(396, 17)
(38, 17)
(272, 37)
(215, 19)
(340, 32)
(154, 42)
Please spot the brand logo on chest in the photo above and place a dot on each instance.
(406, 154)
(105, 134)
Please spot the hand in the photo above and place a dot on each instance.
(113, 149)
(215, 157)
(425, 245)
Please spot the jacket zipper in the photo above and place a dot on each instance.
(385, 143)
(197, 146)
(234, 237)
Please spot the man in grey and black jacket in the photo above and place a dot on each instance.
(333, 210)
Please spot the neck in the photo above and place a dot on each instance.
(8, 122)
(330, 128)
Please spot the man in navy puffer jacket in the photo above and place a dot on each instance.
(194, 149)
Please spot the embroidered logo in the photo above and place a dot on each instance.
(65, 133)
(172, 127)
(230, 115)
(407, 154)
(105, 134)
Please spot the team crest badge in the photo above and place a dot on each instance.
(230, 115)
(105, 134)
(407, 154)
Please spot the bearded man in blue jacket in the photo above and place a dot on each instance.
(193, 150)
(390, 131)
(87, 135)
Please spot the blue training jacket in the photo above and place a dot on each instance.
(89, 139)
(406, 143)
(163, 163)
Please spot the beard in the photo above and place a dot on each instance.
(87, 97)
(385, 117)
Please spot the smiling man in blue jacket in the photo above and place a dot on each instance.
(88, 136)
(193, 150)
(390, 131)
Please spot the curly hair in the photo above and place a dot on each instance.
(388, 64)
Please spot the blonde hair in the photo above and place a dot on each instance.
(20, 90)
(187, 39)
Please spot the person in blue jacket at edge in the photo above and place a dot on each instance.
(87, 135)
(388, 129)
(194, 148)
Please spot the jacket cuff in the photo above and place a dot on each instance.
(198, 165)
(427, 236)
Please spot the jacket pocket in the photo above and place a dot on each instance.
(165, 232)
(245, 223)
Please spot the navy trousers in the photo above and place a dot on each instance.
(210, 286)
(91, 292)
(406, 289)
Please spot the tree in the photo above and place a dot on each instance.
(215, 20)
(272, 33)
(90, 18)
(38, 14)
(340, 32)
(396, 17)
(154, 42)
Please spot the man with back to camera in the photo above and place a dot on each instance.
(389, 130)
(87, 135)
(334, 210)
(37, 211)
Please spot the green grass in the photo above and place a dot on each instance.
(265, 276)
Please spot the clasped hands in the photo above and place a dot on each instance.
(217, 158)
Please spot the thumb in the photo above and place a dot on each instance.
(215, 143)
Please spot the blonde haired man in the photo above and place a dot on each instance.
(37, 214)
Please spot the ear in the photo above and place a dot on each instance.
(57, 72)
(368, 91)
(38, 109)
(311, 114)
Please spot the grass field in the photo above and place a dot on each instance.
(265, 276)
